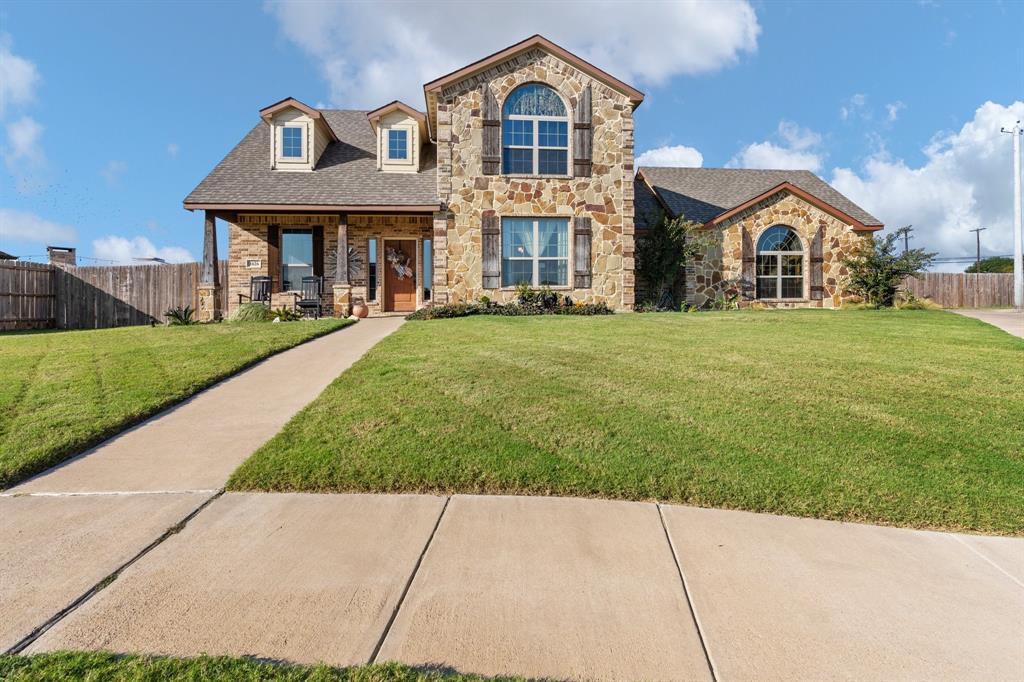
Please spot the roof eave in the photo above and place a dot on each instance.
(374, 208)
(855, 224)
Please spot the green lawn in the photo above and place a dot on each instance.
(63, 391)
(911, 418)
(105, 667)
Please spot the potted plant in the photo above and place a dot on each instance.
(359, 308)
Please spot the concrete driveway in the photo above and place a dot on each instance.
(1009, 320)
(566, 589)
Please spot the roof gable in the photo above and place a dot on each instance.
(431, 89)
(712, 195)
(376, 115)
(267, 113)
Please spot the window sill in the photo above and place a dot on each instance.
(533, 288)
(783, 300)
(535, 177)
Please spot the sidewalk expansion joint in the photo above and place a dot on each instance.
(408, 584)
(102, 584)
(686, 593)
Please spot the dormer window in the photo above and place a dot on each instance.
(291, 143)
(398, 145)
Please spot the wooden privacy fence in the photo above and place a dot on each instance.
(963, 289)
(37, 296)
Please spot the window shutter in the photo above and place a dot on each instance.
(817, 263)
(274, 256)
(491, 153)
(492, 252)
(748, 278)
(581, 253)
(582, 134)
(318, 251)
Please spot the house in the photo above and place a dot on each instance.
(519, 171)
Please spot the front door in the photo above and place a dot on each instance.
(399, 275)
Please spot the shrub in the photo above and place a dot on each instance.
(251, 312)
(285, 315)
(537, 303)
(662, 253)
(180, 316)
(908, 301)
(876, 270)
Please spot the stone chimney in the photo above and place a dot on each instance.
(62, 256)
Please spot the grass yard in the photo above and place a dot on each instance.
(64, 391)
(105, 667)
(912, 418)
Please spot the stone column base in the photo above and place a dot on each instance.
(342, 300)
(209, 303)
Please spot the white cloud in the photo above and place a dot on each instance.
(965, 182)
(18, 77)
(892, 110)
(173, 149)
(126, 250)
(679, 155)
(22, 226)
(371, 53)
(112, 172)
(855, 107)
(800, 149)
(23, 154)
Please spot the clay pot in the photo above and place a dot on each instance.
(360, 310)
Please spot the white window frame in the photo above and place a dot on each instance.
(777, 255)
(298, 160)
(410, 144)
(536, 258)
(387, 144)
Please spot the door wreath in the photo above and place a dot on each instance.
(399, 262)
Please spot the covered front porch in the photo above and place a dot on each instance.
(388, 262)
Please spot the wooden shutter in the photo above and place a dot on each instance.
(817, 261)
(492, 252)
(581, 253)
(748, 278)
(491, 153)
(274, 256)
(582, 134)
(318, 251)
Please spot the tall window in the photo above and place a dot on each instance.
(780, 264)
(371, 270)
(535, 251)
(535, 132)
(398, 144)
(296, 257)
(291, 143)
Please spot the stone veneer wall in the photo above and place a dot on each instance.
(719, 272)
(606, 197)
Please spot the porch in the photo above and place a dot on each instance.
(387, 261)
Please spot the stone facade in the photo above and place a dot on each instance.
(606, 196)
(718, 273)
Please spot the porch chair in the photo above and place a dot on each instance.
(259, 290)
(310, 298)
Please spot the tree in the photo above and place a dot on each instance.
(662, 253)
(993, 264)
(876, 270)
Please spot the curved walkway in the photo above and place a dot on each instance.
(1009, 320)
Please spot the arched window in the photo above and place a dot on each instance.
(780, 264)
(535, 132)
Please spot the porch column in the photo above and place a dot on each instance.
(209, 273)
(342, 285)
(439, 287)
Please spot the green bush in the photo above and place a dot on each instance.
(537, 303)
(180, 316)
(285, 314)
(251, 312)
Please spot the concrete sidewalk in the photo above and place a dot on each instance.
(1009, 320)
(565, 588)
(69, 528)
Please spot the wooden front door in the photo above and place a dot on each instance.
(399, 275)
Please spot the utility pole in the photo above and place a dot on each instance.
(977, 233)
(1018, 220)
(906, 237)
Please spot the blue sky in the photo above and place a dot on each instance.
(111, 113)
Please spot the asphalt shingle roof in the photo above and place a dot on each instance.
(701, 194)
(345, 175)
